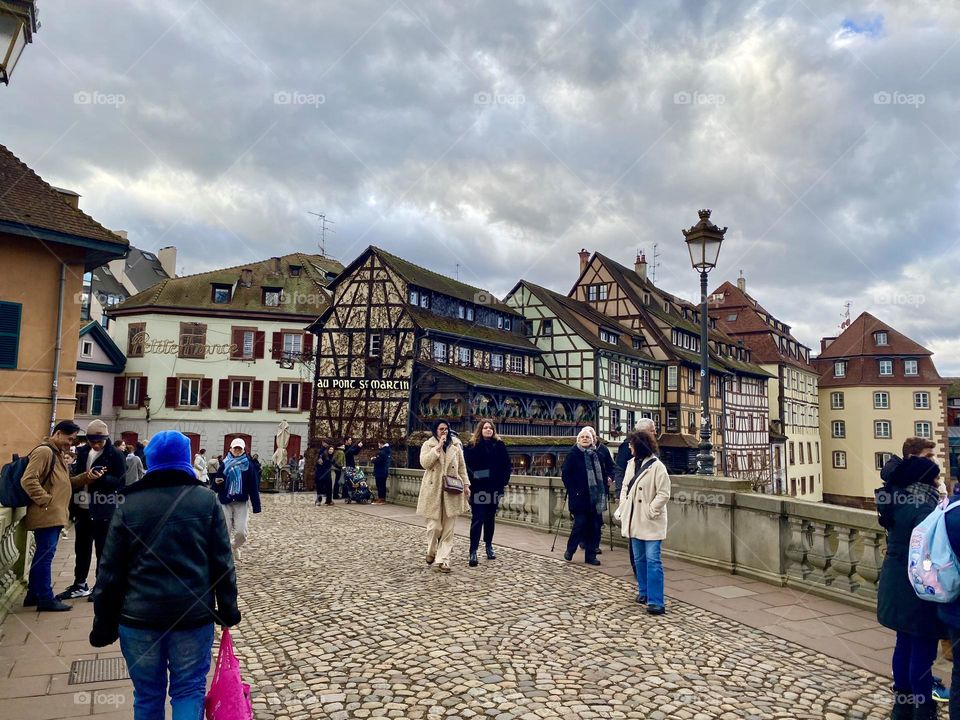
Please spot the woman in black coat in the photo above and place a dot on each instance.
(910, 493)
(321, 475)
(584, 480)
(488, 464)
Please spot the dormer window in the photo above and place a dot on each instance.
(637, 343)
(507, 323)
(840, 368)
(295, 270)
(880, 337)
(220, 294)
(470, 314)
(424, 301)
(271, 297)
(886, 367)
(666, 306)
(461, 312)
(609, 337)
(414, 297)
(548, 327)
(732, 317)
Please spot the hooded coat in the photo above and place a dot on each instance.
(912, 485)
(381, 462)
(432, 496)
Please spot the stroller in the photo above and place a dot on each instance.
(355, 488)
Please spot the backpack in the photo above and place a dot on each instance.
(12, 494)
(931, 564)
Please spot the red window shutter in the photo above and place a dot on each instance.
(171, 399)
(223, 395)
(308, 344)
(236, 343)
(259, 339)
(119, 387)
(276, 347)
(142, 400)
(273, 395)
(257, 400)
(206, 392)
(306, 395)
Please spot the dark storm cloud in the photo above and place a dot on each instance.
(503, 137)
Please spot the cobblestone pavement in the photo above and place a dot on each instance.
(343, 619)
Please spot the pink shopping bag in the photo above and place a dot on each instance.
(229, 696)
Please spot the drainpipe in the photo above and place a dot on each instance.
(58, 349)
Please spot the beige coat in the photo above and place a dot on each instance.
(49, 492)
(432, 495)
(643, 511)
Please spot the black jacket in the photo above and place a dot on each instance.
(620, 464)
(103, 492)
(251, 485)
(381, 462)
(488, 464)
(574, 476)
(321, 471)
(350, 455)
(606, 462)
(912, 489)
(185, 579)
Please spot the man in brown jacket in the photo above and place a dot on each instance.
(48, 483)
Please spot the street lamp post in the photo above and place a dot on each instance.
(18, 22)
(703, 241)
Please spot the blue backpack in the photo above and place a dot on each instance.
(931, 564)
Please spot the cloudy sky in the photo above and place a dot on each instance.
(495, 139)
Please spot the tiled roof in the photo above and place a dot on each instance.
(429, 280)
(457, 328)
(858, 340)
(582, 317)
(304, 295)
(532, 384)
(28, 201)
(143, 269)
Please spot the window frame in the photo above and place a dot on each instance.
(132, 382)
(673, 377)
(881, 400)
(180, 386)
(916, 367)
(925, 405)
(86, 409)
(516, 364)
(876, 430)
(837, 395)
(839, 368)
(241, 381)
(440, 351)
(267, 291)
(928, 435)
(885, 363)
(881, 334)
(838, 429)
(497, 362)
(84, 351)
(281, 395)
(840, 455)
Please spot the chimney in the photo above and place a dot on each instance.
(826, 342)
(584, 259)
(641, 265)
(276, 266)
(121, 233)
(69, 196)
(742, 283)
(246, 277)
(168, 260)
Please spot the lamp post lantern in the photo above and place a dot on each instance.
(703, 241)
(18, 23)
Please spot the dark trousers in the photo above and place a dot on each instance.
(89, 535)
(325, 487)
(337, 475)
(483, 515)
(913, 658)
(39, 583)
(382, 488)
(585, 530)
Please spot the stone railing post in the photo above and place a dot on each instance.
(819, 555)
(15, 552)
(843, 565)
(868, 568)
(797, 567)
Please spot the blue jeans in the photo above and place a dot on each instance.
(646, 560)
(913, 658)
(148, 652)
(39, 582)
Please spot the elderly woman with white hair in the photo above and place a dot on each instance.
(585, 483)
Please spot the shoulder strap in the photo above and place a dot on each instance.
(55, 454)
(639, 472)
(166, 516)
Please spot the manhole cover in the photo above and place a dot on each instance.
(88, 671)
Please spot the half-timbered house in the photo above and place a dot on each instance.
(667, 328)
(402, 346)
(592, 352)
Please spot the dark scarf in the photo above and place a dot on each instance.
(596, 483)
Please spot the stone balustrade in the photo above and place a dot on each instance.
(14, 545)
(825, 550)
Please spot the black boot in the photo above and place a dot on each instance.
(491, 555)
(473, 558)
(903, 705)
(925, 709)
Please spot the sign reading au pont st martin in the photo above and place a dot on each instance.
(341, 383)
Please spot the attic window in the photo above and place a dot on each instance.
(732, 317)
(330, 275)
(220, 294)
(880, 338)
(295, 270)
(637, 343)
(271, 297)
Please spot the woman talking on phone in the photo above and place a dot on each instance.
(444, 492)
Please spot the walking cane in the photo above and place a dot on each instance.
(556, 534)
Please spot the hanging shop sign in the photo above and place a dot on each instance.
(341, 383)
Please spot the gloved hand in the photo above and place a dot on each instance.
(616, 515)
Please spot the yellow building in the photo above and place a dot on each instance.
(46, 245)
(877, 388)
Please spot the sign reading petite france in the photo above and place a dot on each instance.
(339, 383)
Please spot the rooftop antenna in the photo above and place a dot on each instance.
(655, 262)
(846, 315)
(324, 228)
(458, 272)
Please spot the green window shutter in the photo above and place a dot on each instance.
(97, 400)
(9, 334)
